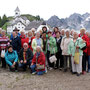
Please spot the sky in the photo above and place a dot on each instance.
(45, 8)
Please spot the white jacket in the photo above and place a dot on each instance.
(64, 45)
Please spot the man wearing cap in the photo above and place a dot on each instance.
(17, 32)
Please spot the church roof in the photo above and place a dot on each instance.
(34, 24)
(17, 9)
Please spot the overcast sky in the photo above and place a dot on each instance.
(45, 8)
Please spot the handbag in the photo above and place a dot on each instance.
(53, 59)
(76, 58)
(3, 53)
(39, 67)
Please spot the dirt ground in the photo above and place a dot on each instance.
(53, 80)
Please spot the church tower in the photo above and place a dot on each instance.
(17, 12)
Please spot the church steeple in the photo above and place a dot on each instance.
(17, 12)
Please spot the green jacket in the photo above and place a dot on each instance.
(52, 45)
(72, 46)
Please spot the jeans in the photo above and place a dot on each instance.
(33, 70)
(24, 65)
(88, 62)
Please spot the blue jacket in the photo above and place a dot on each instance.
(11, 37)
(11, 57)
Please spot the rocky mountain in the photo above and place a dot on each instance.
(74, 21)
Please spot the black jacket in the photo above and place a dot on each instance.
(16, 43)
(29, 55)
(58, 44)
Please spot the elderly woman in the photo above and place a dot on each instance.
(37, 42)
(54, 31)
(11, 58)
(38, 59)
(74, 50)
(86, 40)
(25, 57)
(4, 42)
(23, 38)
(64, 47)
(51, 49)
(30, 37)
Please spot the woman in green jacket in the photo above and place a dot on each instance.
(51, 48)
(74, 50)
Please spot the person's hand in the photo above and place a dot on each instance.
(37, 65)
(77, 47)
(14, 63)
(84, 41)
(31, 64)
(25, 61)
(13, 66)
(10, 40)
(21, 61)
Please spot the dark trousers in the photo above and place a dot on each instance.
(3, 62)
(84, 59)
(13, 69)
(24, 65)
(60, 61)
(49, 63)
(66, 58)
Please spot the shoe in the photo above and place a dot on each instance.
(33, 73)
(83, 72)
(78, 74)
(60, 68)
(88, 71)
(50, 68)
(65, 70)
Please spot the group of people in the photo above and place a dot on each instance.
(33, 50)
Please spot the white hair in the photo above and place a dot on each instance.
(39, 47)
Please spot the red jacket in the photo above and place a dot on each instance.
(88, 48)
(24, 40)
(84, 37)
(41, 59)
(31, 43)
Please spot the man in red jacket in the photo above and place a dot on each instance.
(38, 59)
(86, 40)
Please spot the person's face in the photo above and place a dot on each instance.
(75, 35)
(10, 49)
(38, 35)
(44, 29)
(29, 34)
(14, 34)
(55, 29)
(49, 34)
(67, 34)
(22, 34)
(62, 32)
(38, 49)
(82, 32)
(44, 34)
(25, 47)
(3, 33)
(58, 35)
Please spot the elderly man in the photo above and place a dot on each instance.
(64, 47)
(38, 59)
(4, 42)
(16, 42)
(25, 57)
